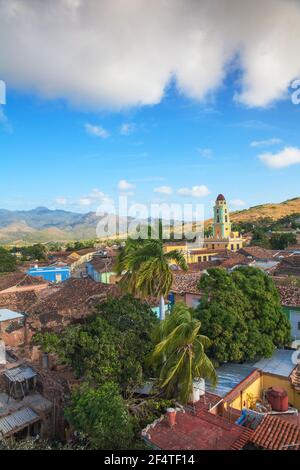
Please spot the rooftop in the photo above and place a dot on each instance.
(6, 314)
(229, 376)
(257, 252)
(200, 431)
(102, 264)
(279, 364)
(20, 373)
(19, 280)
(276, 434)
(289, 295)
(17, 421)
(185, 282)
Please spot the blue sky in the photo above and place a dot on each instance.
(49, 158)
(179, 118)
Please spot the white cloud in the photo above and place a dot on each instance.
(205, 152)
(94, 197)
(195, 191)
(163, 190)
(237, 203)
(127, 128)
(98, 131)
(61, 201)
(265, 143)
(286, 157)
(124, 53)
(124, 185)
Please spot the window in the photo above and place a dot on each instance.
(238, 246)
(199, 259)
(226, 218)
(204, 258)
(209, 258)
(213, 246)
(232, 247)
(298, 325)
(218, 219)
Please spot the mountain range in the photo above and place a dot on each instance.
(44, 225)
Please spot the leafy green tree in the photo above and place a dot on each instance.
(146, 269)
(180, 353)
(101, 414)
(111, 346)
(241, 313)
(38, 251)
(8, 261)
(280, 241)
(260, 238)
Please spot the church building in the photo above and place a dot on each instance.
(223, 237)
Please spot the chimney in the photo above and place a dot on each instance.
(171, 416)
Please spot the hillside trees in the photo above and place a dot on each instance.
(8, 261)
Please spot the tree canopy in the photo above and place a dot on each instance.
(241, 313)
(145, 269)
(8, 261)
(111, 346)
(180, 353)
(102, 415)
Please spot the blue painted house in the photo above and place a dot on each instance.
(51, 273)
(101, 270)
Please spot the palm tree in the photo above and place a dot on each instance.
(180, 353)
(146, 271)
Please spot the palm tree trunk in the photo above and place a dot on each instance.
(162, 308)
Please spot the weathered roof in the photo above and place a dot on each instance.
(289, 295)
(290, 265)
(6, 314)
(230, 376)
(73, 295)
(17, 420)
(279, 364)
(197, 431)
(102, 264)
(276, 434)
(257, 252)
(20, 280)
(185, 282)
(19, 374)
(220, 197)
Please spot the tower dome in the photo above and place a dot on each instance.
(220, 198)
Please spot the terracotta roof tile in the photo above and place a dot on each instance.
(185, 282)
(276, 434)
(200, 431)
(289, 295)
(257, 252)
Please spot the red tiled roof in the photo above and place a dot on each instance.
(201, 266)
(19, 279)
(102, 264)
(234, 261)
(290, 265)
(276, 434)
(200, 431)
(257, 252)
(185, 282)
(289, 295)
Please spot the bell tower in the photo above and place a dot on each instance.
(221, 225)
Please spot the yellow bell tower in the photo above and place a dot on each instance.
(221, 225)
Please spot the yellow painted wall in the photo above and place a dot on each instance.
(262, 383)
(276, 381)
(255, 389)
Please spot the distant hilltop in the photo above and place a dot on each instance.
(45, 225)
